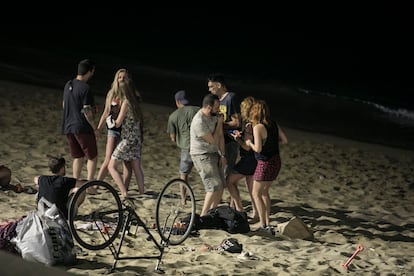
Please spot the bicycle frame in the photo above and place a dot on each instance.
(111, 209)
(132, 216)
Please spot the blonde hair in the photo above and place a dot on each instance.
(245, 107)
(113, 93)
(127, 92)
(259, 113)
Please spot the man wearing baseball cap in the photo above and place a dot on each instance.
(178, 128)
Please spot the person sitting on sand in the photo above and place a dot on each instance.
(57, 188)
(5, 178)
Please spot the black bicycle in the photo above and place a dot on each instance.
(103, 220)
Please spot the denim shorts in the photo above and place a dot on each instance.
(114, 133)
(186, 163)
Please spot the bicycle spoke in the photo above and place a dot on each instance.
(175, 205)
(97, 221)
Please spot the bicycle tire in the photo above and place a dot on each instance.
(175, 214)
(96, 223)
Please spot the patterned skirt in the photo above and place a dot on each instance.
(267, 170)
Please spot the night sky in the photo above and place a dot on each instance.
(350, 51)
(346, 46)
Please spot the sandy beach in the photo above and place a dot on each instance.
(348, 193)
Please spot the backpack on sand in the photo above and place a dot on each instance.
(232, 220)
(222, 217)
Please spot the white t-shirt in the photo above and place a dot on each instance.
(200, 126)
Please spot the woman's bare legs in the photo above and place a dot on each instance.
(258, 198)
(262, 199)
(249, 184)
(232, 180)
(127, 167)
(111, 143)
(266, 200)
(116, 175)
(139, 174)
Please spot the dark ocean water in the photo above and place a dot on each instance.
(330, 93)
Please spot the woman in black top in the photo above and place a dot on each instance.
(267, 135)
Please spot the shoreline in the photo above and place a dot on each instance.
(310, 113)
(298, 134)
(315, 112)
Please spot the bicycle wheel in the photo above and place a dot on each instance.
(97, 221)
(175, 211)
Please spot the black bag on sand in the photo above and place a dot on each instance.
(222, 217)
(233, 221)
(204, 222)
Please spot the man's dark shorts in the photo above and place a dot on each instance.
(81, 145)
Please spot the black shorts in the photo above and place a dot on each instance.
(246, 165)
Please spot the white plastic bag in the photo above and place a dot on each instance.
(32, 239)
(44, 236)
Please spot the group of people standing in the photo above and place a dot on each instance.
(229, 140)
(123, 118)
(224, 139)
